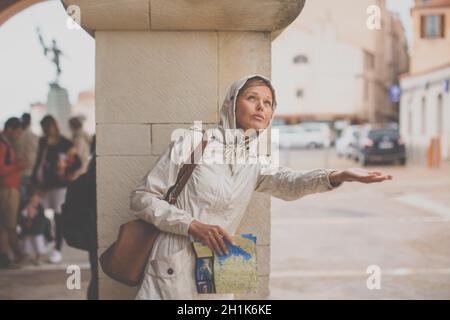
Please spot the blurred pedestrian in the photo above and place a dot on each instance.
(56, 165)
(81, 141)
(33, 225)
(10, 169)
(80, 221)
(92, 146)
(26, 148)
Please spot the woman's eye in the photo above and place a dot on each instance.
(251, 97)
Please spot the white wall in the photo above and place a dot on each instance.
(331, 79)
(414, 90)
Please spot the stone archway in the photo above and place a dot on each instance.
(9, 8)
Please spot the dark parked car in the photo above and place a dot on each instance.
(380, 145)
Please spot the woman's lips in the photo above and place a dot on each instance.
(258, 117)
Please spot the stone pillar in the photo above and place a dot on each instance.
(161, 65)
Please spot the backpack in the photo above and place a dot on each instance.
(79, 214)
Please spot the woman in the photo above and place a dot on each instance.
(56, 165)
(211, 205)
(81, 141)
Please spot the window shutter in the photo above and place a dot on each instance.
(422, 26)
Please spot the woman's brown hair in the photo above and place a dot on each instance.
(256, 82)
(47, 122)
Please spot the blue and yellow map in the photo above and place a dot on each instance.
(232, 273)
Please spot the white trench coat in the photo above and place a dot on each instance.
(215, 194)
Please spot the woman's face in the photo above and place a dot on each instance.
(34, 200)
(254, 108)
(49, 130)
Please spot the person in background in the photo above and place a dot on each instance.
(26, 151)
(33, 225)
(92, 146)
(80, 220)
(56, 165)
(91, 204)
(10, 169)
(81, 141)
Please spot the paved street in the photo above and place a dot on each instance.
(47, 281)
(322, 244)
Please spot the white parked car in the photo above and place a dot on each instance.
(348, 140)
(304, 136)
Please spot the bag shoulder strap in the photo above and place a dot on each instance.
(185, 173)
(7, 159)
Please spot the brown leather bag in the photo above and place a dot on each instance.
(125, 260)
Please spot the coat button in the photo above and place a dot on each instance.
(170, 271)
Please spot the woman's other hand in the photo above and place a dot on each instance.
(211, 235)
(359, 175)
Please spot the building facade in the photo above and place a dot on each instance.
(425, 101)
(330, 65)
(84, 108)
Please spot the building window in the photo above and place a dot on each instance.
(301, 58)
(299, 93)
(424, 114)
(433, 26)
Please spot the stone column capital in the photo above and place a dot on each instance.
(220, 15)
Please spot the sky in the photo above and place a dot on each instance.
(25, 72)
(402, 7)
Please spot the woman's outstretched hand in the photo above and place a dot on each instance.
(359, 175)
(211, 235)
